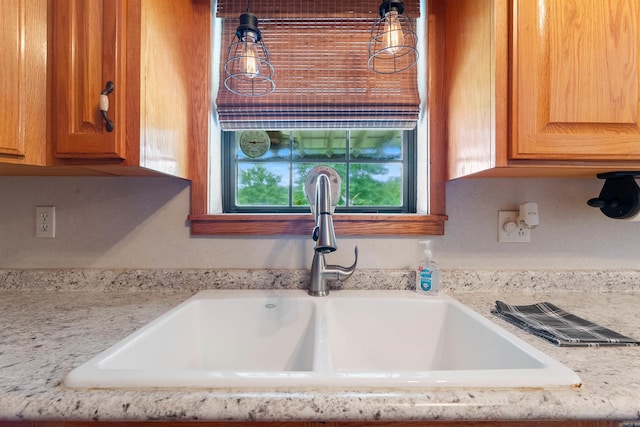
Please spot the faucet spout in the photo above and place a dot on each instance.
(323, 233)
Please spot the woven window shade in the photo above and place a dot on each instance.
(321, 74)
(313, 9)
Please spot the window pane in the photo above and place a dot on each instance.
(373, 173)
(375, 145)
(320, 144)
(375, 184)
(280, 145)
(263, 184)
(300, 172)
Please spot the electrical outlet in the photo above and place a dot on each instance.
(46, 222)
(513, 234)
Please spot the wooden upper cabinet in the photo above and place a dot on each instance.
(157, 54)
(89, 49)
(576, 80)
(475, 89)
(23, 81)
(542, 87)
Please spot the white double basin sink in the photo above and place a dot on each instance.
(285, 338)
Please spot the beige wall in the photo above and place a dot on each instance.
(141, 223)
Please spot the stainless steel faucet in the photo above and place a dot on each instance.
(323, 232)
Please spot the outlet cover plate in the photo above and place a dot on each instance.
(46, 222)
(519, 235)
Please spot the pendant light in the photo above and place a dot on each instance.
(248, 70)
(392, 47)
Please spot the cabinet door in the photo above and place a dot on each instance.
(23, 91)
(89, 51)
(575, 80)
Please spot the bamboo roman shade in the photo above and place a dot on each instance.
(319, 52)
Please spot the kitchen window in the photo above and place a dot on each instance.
(265, 171)
(211, 214)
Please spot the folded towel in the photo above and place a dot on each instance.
(560, 327)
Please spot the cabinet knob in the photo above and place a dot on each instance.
(104, 105)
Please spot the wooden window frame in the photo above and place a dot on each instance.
(203, 223)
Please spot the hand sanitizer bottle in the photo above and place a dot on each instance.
(427, 273)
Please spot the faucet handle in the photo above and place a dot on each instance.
(343, 273)
(355, 262)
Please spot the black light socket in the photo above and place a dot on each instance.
(248, 23)
(389, 5)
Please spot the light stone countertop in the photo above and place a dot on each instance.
(49, 330)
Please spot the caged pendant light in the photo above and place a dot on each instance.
(248, 70)
(392, 47)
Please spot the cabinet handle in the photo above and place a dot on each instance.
(104, 105)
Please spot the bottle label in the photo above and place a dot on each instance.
(425, 278)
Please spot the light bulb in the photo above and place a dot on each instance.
(250, 63)
(393, 39)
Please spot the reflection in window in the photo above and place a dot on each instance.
(267, 174)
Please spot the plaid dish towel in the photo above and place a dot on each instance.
(559, 327)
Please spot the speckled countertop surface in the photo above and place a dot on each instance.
(53, 321)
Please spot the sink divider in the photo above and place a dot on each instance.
(322, 346)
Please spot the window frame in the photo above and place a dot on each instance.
(408, 162)
(204, 223)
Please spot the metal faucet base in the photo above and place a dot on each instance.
(318, 293)
(321, 274)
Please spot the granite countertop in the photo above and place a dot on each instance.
(48, 331)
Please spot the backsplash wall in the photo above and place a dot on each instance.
(114, 222)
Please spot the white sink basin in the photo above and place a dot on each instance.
(209, 333)
(265, 338)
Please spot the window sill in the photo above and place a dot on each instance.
(302, 224)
